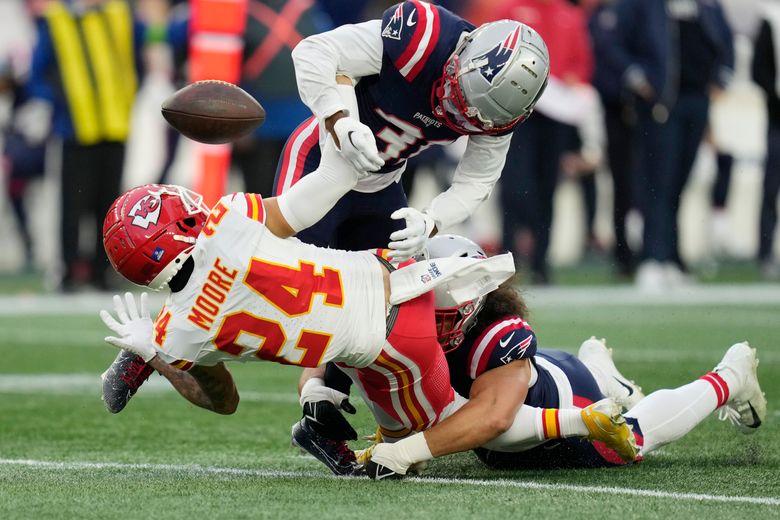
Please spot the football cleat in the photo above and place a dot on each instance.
(746, 406)
(122, 379)
(336, 455)
(606, 424)
(598, 358)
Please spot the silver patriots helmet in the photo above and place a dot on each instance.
(453, 320)
(493, 79)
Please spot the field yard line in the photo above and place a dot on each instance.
(211, 470)
(89, 384)
(92, 302)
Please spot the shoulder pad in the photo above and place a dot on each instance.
(411, 32)
(500, 343)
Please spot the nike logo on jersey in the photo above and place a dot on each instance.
(627, 387)
(515, 352)
(409, 20)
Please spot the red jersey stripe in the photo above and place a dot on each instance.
(423, 41)
(428, 48)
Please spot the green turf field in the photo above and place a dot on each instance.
(63, 456)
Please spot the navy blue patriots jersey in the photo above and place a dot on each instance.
(500, 343)
(417, 38)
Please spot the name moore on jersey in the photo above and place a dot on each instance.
(254, 296)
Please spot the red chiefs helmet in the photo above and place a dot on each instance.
(150, 231)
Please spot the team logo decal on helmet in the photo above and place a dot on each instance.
(493, 79)
(496, 58)
(396, 24)
(146, 211)
(150, 231)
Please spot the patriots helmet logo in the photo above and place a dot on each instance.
(396, 24)
(146, 211)
(493, 61)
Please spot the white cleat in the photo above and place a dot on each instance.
(598, 358)
(746, 406)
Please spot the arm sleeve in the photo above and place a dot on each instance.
(352, 50)
(309, 199)
(476, 174)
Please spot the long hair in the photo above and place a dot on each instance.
(504, 301)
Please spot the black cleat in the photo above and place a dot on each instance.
(336, 455)
(122, 380)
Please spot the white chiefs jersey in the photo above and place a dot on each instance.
(253, 296)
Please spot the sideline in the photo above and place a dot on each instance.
(741, 294)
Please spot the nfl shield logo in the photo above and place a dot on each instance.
(158, 253)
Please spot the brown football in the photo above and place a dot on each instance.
(213, 112)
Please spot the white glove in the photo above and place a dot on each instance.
(33, 121)
(314, 391)
(133, 328)
(357, 144)
(402, 455)
(411, 240)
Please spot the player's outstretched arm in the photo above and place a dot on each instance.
(496, 396)
(211, 388)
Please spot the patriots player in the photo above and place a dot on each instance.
(383, 91)
(514, 390)
(492, 360)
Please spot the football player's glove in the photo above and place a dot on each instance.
(134, 328)
(357, 144)
(377, 471)
(322, 409)
(411, 240)
(393, 461)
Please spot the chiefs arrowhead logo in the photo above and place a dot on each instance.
(146, 211)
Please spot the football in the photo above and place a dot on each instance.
(213, 112)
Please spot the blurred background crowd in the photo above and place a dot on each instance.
(659, 176)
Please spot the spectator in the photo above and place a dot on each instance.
(669, 53)
(268, 75)
(22, 162)
(530, 175)
(83, 79)
(620, 128)
(765, 74)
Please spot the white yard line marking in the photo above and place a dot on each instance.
(90, 384)
(195, 469)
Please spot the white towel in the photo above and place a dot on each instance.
(464, 278)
